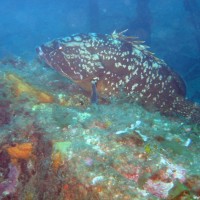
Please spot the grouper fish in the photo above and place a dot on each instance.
(120, 65)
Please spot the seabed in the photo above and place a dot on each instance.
(55, 145)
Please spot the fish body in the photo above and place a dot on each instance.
(122, 65)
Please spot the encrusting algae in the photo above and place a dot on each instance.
(60, 149)
(20, 86)
(57, 161)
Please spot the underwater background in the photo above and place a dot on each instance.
(55, 145)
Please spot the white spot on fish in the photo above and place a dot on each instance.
(155, 65)
(134, 86)
(87, 44)
(145, 64)
(135, 72)
(127, 79)
(118, 64)
(95, 57)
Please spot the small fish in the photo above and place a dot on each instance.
(120, 63)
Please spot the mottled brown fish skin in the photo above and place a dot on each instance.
(121, 64)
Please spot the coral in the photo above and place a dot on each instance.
(20, 151)
(130, 172)
(163, 180)
(20, 86)
(158, 188)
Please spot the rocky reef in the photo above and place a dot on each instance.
(55, 145)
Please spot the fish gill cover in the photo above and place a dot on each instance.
(97, 132)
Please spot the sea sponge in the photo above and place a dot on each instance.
(20, 86)
(57, 161)
(20, 151)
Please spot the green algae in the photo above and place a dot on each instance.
(62, 147)
(180, 191)
(175, 148)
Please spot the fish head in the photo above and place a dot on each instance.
(62, 58)
(77, 58)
